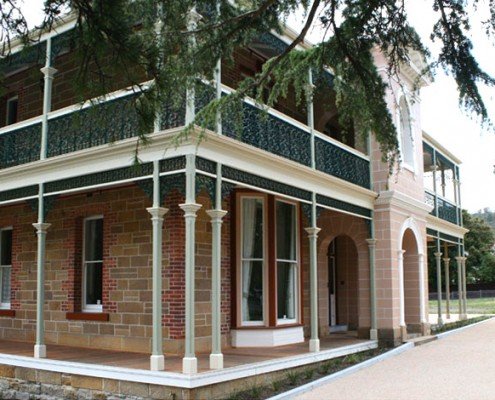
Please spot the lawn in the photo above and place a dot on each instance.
(474, 306)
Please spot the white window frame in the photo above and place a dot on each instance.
(240, 319)
(5, 306)
(7, 108)
(407, 165)
(89, 307)
(297, 263)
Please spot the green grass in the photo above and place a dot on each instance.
(474, 306)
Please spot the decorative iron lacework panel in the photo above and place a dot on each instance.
(338, 162)
(449, 238)
(173, 164)
(173, 113)
(207, 183)
(62, 43)
(342, 205)
(28, 56)
(102, 123)
(19, 193)
(206, 165)
(20, 146)
(264, 183)
(447, 211)
(48, 203)
(307, 209)
(114, 175)
(431, 232)
(430, 200)
(173, 182)
(269, 133)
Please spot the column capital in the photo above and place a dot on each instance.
(438, 254)
(190, 209)
(371, 242)
(459, 259)
(157, 212)
(216, 215)
(48, 71)
(42, 227)
(400, 253)
(446, 260)
(312, 231)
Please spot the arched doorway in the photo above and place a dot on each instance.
(342, 284)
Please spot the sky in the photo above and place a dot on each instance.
(441, 116)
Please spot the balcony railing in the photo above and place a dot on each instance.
(442, 208)
(82, 127)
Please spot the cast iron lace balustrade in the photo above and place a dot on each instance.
(447, 211)
(20, 146)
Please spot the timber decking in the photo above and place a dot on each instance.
(173, 363)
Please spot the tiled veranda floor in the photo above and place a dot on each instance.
(173, 363)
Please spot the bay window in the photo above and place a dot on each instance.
(93, 264)
(268, 261)
(5, 267)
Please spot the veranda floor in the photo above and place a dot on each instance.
(173, 363)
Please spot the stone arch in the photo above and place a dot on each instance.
(334, 224)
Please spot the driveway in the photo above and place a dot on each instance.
(460, 366)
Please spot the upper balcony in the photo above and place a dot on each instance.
(441, 181)
(73, 127)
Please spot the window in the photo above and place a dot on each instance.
(93, 264)
(5, 266)
(12, 106)
(268, 261)
(406, 135)
(252, 260)
(286, 261)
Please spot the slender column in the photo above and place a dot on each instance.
(190, 207)
(446, 263)
(190, 92)
(48, 72)
(314, 342)
(374, 327)
(157, 360)
(464, 289)
(216, 356)
(438, 259)
(41, 230)
(422, 311)
(459, 286)
(311, 121)
(400, 257)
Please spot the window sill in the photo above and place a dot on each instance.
(266, 327)
(87, 316)
(7, 313)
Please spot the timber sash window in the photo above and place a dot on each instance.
(286, 234)
(268, 261)
(93, 264)
(406, 134)
(5, 266)
(252, 260)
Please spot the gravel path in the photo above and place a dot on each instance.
(460, 366)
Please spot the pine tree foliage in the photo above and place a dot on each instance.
(171, 44)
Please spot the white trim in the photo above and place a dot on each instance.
(446, 227)
(89, 307)
(441, 149)
(181, 380)
(267, 337)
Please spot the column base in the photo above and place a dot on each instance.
(39, 351)
(373, 334)
(463, 317)
(403, 332)
(189, 365)
(157, 363)
(216, 361)
(314, 345)
(440, 321)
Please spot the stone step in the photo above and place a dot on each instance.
(420, 340)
